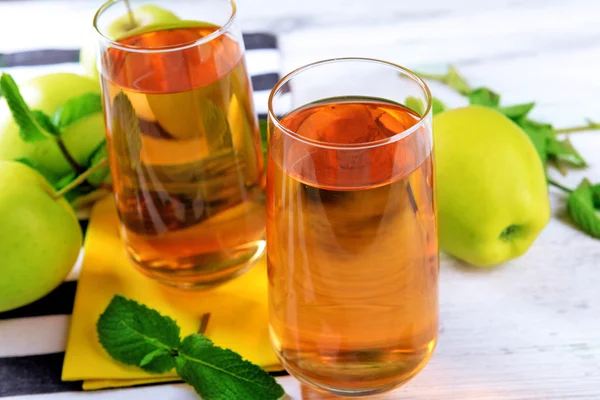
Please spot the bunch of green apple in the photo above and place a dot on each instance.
(51, 142)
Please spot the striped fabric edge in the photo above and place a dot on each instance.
(30, 368)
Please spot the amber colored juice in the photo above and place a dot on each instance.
(190, 184)
(352, 247)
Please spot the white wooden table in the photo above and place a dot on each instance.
(530, 329)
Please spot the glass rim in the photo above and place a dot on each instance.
(350, 146)
(113, 43)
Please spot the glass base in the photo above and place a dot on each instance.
(355, 384)
(204, 271)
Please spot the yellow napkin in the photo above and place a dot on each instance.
(238, 309)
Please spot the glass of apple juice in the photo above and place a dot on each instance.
(183, 139)
(352, 243)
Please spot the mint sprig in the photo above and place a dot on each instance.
(134, 334)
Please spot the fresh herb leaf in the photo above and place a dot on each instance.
(484, 97)
(129, 332)
(564, 151)
(415, 104)
(77, 108)
(221, 374)
(452, 79)
(27, 161)
(580, 205)
(517, 111)
(437, 106)
(596, 195)
(264, 136)
(125, 131)
(539, 135)
(216, 126)
(45, 122)
(65, 180)
(457, 82)
(137, 335)
(31, 130)
(97, 156)
(148, 358)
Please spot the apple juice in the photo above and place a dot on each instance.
(352, 245)
(185, 153)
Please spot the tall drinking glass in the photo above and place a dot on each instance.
(351, 225)
(183, 138)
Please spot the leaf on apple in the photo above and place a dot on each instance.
(539, 135)
(65, 180)
(414, 104)
(77, 108)
(457, 82)
(596, 195)
(215, 122)
(580, 205)
(264, 136)
(564, 151)
(125, 129)
(517, 111)
(484, 97)
(44, 120)
(33, 125)
(97, 156)
(437, 106)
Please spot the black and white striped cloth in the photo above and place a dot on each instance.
(33, 338)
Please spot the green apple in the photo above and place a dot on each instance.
(148, 14)
(491, 186)
(40, 237)
(47, 93)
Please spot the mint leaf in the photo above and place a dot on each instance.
(125, 131)
(457, 82)
(45, 122)
(216, 126)
(564, 151)
(580, 205)
(65, 180)
(27, 161)
(31, 130)
(415, 104)
(148, 358)
(437, 106)
(221, 374)
(264, 136)
(539, 134)
(98, 155)
(484, 97)
(77, 108)
(130, 332)
(596, 195)
(517, 111)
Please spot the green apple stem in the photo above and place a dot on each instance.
(74, 164)
(130, 13)
(81, 178)
(558, 185)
